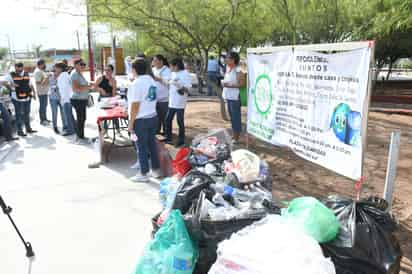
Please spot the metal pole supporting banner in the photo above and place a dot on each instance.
(391, 168)
(89, 43)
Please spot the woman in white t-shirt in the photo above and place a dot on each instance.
(162, 75)
(143, 119)
(179, 86)
(233, 81)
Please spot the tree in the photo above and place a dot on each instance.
(185, 27)
(387, 22)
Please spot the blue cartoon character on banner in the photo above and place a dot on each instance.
(151, 95)
(353, 137)
(346, 124)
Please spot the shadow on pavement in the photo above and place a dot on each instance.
(37, 141)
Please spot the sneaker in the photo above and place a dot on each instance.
(12, 138)
(83, 141)
(56, 130)
(140, 178)
(21, 134)
(44, 123)
(136, 165)
(67, 133)
(31, 131)
(155, 174)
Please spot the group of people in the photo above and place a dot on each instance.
(64, 87)
(157, 94)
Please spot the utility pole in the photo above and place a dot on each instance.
(89, 43)
(9, 44)
(78, 40)
(114, 53)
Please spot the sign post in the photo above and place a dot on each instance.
(391, 168)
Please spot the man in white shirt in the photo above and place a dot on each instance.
(65, 90)
(143, 119)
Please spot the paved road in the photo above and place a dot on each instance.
(79, 220)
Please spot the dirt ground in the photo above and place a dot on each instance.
(295, 177)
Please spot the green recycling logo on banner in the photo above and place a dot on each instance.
(262, 93)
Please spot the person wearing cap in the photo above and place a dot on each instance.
(80, 96)
(41, 79)
(64, 87)
(22, 92)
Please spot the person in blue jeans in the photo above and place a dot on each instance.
(143, 119)
(41, 79)
(55, 104)
(212, 75)
(22, 93)
(65, 91)
(233, 81)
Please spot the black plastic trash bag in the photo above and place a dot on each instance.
(215, 231)
(193, 183)
(365, 244)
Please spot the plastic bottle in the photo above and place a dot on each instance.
(234, 192)
(164, 190)
(172, 190)
(218, 200)
(263, 170)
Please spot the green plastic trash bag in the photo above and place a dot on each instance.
(171, 251)
(313, 217)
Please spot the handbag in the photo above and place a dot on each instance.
(90, 101)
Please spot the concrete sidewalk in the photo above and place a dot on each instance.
(79, 220)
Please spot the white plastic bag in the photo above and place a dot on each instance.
(246, 165)
(271, 246)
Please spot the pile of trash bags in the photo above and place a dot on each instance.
(219, 216)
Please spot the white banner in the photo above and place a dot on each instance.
(312, 103)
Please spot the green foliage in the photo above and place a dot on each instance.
(194, 28)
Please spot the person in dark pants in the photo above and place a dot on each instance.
(80, 98)
(107, 87)
(179, 86)
(143, 119)
(21, 98)
(162, 75)
(233, 81)
(7, 127)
